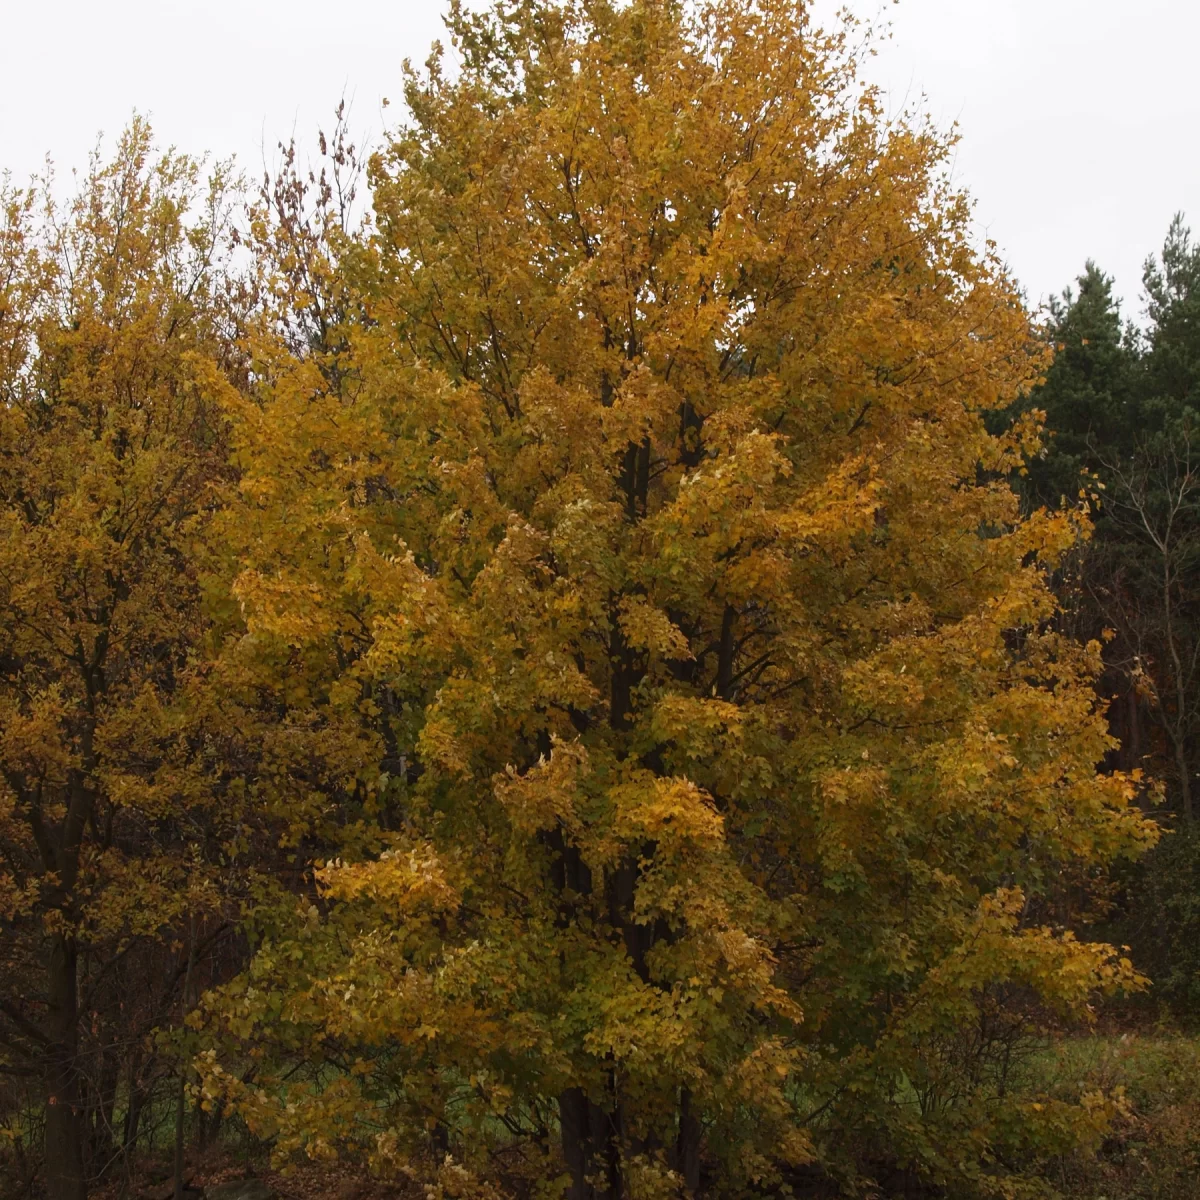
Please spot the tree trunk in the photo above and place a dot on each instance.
(1177, 733)
(1185, 782)
(133, 1115)
(589, 1147)
(181, 1096)
(572, 1119)
(65, 1178)
(687, 1148)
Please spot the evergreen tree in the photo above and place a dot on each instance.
(1172, 362)
(1121, 404)
(1088, 394)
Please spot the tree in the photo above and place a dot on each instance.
(1089, 397)
(1172, 285)
(1141, 575)
(113, 362)
(1148, 594)
(1118, 408)
(1090, 403)
(734, 762)
(1140, 429)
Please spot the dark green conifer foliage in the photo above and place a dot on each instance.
(1088, 397)
(1121, 404)
(1172, 363)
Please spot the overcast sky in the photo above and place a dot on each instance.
(1079, 118)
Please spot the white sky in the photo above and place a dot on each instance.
(1080, 119)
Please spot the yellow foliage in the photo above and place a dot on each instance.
(639, 510)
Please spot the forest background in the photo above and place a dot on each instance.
(584, 677)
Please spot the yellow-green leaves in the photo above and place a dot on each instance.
(651, 532)
(115, 375)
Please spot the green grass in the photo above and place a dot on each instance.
(1153, 1149)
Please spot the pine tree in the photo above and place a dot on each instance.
(1089, 395)
(1172, 285)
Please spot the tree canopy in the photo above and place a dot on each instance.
(739, 767)
(572, 638)
(113, 375)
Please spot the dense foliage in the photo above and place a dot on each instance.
(552, 690)
(115, 366)
(1121, 405)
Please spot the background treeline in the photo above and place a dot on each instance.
(561, 684)
(1121, 435)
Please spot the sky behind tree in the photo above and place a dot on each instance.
(1079, 118)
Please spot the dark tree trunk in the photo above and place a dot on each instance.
(687, 1148)
(65, 1179)
(181, 1096)
(133, 1114)
(589, 1147)
(592, 1134)
(572, 1116)
(208, 1126)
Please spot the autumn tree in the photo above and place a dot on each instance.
(115, 351)
(729, 759)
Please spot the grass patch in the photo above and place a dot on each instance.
(1153, 1149)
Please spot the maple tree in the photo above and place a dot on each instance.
(712, 762)
(114, 355)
